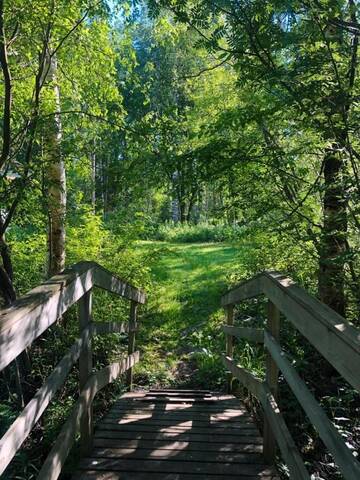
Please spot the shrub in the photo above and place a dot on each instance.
(202, 232)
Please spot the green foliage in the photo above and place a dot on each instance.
(203, 232)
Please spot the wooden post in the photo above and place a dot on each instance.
(272, 375)
(229, 343)
(131, 346)
(85, 371)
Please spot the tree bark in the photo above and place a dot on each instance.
(332, 245)
(56, 182)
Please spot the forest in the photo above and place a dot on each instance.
(185, 145)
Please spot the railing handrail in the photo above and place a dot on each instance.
(336, 339)
(329, 333)
(29, 317)
(35, 312)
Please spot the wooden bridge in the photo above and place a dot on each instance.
(177, 434)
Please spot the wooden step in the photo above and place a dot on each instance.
(176, 435)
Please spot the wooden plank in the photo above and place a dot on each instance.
(178, 390)
(221, 432)
(204, 408)
(36, 311)
(347, 463)
(112, 475)
(255, 335)
(33, 313)
(224, 422)
(169, 399)
(252, 383)
(131, 340)
(108, 281)
(176, 444)
(229, 340)
(250, 288)
(179, 436)
(235, 416)
(289, 452)
(272, 376)
(103, 328)
(178, 454)
(22, 426)
(54, 462)
(173, 466)
(336, 340)
(85, 371)
(178, 395)
(194, 408)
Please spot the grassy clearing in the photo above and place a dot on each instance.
(180, 334)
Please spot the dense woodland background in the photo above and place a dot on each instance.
(176, 121)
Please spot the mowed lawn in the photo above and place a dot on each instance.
(180, 334)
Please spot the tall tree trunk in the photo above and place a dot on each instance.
(6, 270)
(56, 181)
(333, 239)
(93, 181)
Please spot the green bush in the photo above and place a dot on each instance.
(202, 232)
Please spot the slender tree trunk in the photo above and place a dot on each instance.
(93, 182)
(333, 239)
(56, 181)
(6, 270)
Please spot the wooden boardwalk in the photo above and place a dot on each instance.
(176, 435)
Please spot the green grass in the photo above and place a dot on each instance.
(180, 333)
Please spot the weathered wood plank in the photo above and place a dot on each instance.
(36, 311)
(253, 384)
(239, 416)
(181, 437)
(251, 334)
(157, 442)
(288, 449)
(229, 343)
(178, 390)
(173, 466)
(250, 288)
(336, 339)
(112, 475)
(166, 399)
(181, 407)
(108, 281)
(272, 375)
(131, 340)
(178, 454)
(85, 370)
(103, 328)
(347, 463)
(176, 444)
(54, 462)
(189, 421)
(129, 427)
(178, 395)
(32, 314)
(22, 426)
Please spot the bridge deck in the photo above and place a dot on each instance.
(176, 435)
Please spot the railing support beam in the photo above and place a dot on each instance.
(85, 371)
(272, 376)
(229, 344)
(131, 345)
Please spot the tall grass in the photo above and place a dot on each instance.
(200, 233)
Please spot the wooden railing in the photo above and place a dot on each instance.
(28, 318)
(328, 332)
